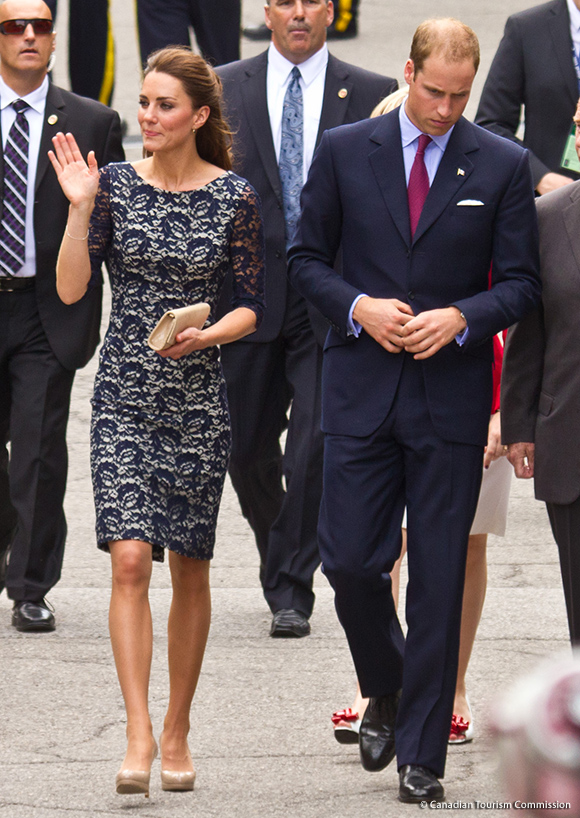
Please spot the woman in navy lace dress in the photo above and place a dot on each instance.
(169, 227)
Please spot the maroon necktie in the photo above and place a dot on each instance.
(418, 183)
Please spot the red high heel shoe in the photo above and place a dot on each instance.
(461, 729)
(346, 726)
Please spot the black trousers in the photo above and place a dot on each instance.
(272, 387)
(367, 483)
(34, 405)
(91, 48)
(565, 522)
(216, 24)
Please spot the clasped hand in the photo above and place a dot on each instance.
(395, 327)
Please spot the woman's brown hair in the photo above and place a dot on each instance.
(203, 86)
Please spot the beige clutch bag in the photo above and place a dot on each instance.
(174, 322)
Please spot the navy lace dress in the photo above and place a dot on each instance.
(160, 432)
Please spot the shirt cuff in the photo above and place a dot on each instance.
(352, 326)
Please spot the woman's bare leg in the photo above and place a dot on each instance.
(188, 628)
(473, 599)
(131, 632)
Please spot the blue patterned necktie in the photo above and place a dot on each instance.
(292, 153)
(13, 228)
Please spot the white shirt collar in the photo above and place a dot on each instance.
(36, 99)
(309, 69)
(574, 13)
(410, 132)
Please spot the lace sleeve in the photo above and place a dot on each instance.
(247, 254)
(100, 228)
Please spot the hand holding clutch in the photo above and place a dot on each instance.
(174, 322)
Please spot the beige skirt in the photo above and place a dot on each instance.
(492, 507)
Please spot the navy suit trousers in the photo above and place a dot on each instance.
(367, 484)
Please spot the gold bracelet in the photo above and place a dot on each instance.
(76, 238)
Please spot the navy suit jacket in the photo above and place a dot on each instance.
(350, 94)
(356, 194)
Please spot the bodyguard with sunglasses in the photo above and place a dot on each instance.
(42, 341)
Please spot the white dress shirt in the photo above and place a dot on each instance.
(574, 13)
(313, 76)
(35, 116)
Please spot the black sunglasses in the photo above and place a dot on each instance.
(39, 24)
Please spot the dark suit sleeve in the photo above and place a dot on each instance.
(503, 94)
(515, 281)
(318, 236)
(521, 379)
(113, 147)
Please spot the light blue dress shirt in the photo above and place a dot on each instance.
(433, 154)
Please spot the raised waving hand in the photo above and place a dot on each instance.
(78, 179)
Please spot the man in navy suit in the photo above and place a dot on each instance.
(421, 202)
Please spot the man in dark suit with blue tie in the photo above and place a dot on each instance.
(279, 104)
(422, 203)
(42, 341)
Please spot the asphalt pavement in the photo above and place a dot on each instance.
(261, 732)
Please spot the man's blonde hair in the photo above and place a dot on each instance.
(447, 37)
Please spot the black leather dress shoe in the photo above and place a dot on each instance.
(419, 784)
(376, 739)
(32, 616)
(288, 624)
(261, 32)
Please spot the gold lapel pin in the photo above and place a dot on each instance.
(343, 93)
(460, 172)
(52, 119)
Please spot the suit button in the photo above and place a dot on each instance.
(278, 254)
(411, 295)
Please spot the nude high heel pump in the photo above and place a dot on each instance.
(177, 782)
(135, 782)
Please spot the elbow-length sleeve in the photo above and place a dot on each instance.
(100, 227)
(247, 254)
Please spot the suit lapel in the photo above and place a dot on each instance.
(559, 25)
(255, 100)
(453, 171)
(386, 159)
(337, 96)
(55, 120)
(571, 215)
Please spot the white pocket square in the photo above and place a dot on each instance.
(469, 203)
